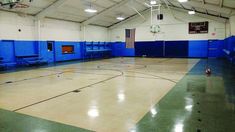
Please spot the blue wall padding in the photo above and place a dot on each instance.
(215, 48)
(44, 53)
(229, 45)
(101, 47)
(95, 45)
(26, 48)
(82, 49)
(198, 48)
(91, 50)
(119, 49)
(10, 49)
(176, 49)
(129, 52)
(89, 45)
(7, 51)
(149, 48)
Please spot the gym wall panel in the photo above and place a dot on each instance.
(11, 48)
(176, 48)
(198, 48)
(25, 48)
(7, 51)
(149, 48)
(44, 53)
(118, 49)
(220, 48)
(229, 43)
(215, 48)
(229, 46)
(129, 52)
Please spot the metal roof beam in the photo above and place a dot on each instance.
(106, 11)
(224, 10)
(203, 1)
(221, 3)
(128, 19)
(205, 15)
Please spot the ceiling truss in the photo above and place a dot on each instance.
(107, 12)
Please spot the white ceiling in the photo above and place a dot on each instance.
(73, 10)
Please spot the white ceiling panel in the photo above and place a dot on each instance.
(215, 2)
(102, 23)
(73, 10)
(229, 3)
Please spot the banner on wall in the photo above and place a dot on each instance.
(198, 27)
(130, 38)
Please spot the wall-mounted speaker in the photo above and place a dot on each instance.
(160, 17)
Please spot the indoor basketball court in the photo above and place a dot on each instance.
(117, 66)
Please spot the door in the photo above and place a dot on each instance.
(51, 51)
(7, 51)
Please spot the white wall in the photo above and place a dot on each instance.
(50, 29)
(10, 23)
(59, 30)
(96, 33)
(228, 29)
(232, 25)
(171, 28)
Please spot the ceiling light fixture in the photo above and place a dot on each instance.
(191, 12)
(120, 18)
(181, 1)
(153, 2)
(90, 10)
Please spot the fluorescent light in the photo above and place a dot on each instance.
(90, 10)
(191, 12)
(181, 1)
(120, 18)
(153, 2)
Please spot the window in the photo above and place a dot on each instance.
(49, 46)
(67, 49)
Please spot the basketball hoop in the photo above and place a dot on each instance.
(155, 29)
(155, 17)
(13, 5)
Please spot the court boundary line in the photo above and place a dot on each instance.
(97, 68)
(42, 101)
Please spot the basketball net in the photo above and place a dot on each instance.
(21, 5)
(14, 5)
